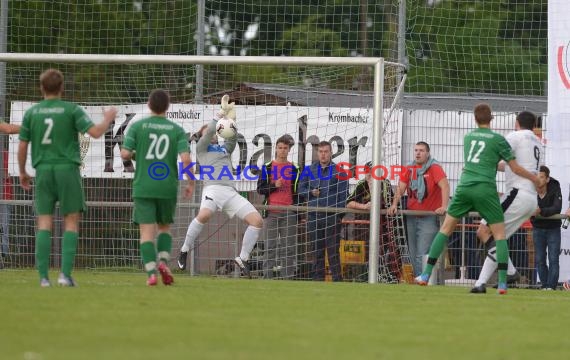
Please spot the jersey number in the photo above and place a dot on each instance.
(537, 156)
(477, 147)
(47, 139)
(158, 146)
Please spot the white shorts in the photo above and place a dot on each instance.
(518, 206)
(226, 199)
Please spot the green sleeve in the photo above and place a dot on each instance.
(182, 143)
(82, 121)
(505, 150)
(129, 141)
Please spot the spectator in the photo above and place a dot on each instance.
(7, 194)
(5, 209)
(360, 199)
(323, 188)
(428, 191)
(278, 182)
(546, 232)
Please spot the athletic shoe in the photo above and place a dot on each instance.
(182, 260)
(165, 273)
(512, 279)
(502, 289)
(151, 281)
(243, 265)
(481, 289)
(566, 285)
(44, 282)
(63, 280)
(422, 280)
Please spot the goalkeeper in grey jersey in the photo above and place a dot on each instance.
(221, 194)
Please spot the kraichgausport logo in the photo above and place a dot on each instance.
(562, 65)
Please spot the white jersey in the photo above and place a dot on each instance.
(527, 149)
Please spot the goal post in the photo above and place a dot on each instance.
(385, 95)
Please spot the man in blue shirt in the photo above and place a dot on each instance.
(321, 186)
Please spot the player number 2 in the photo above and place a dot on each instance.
(46, 140)
(158, 146)
(480, 145)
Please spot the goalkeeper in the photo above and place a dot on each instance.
(221, 194)
(158, 141)
(51, 126)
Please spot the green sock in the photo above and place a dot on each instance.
(43, 248)
(68, 252)
(164, 246)
(148, 253)
(502, 259)
(435, 250)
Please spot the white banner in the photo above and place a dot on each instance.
(348, 129)
(558, 131)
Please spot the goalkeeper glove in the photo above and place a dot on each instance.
(227, 110)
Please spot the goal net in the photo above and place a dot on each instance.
(454, 51)
(326, 110)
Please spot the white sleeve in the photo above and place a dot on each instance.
(513, 140)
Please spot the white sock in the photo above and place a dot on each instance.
(249, 239)
(512, 269)
(489, 267)
(194, 229)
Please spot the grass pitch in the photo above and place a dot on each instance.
(116, 316)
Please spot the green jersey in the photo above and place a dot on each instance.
(157, 142)
(52, 126)
(482, 151)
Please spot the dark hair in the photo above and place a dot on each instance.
(286, 139)
(544, 169)
(325, 143)
(158, 101)
(424, 144)
(483, 114)
(51, 81)
(526, 120)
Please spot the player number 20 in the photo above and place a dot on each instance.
(158, 146)
(477, 148)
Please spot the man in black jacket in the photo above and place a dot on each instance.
(278, 182)
(546, 232)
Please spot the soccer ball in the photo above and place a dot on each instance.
(226, 128)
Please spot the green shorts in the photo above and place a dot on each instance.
(482, 198)
(154, 211)
(61, 183)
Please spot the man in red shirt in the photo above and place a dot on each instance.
(7, 194)
(278, 182)
(428, 191)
